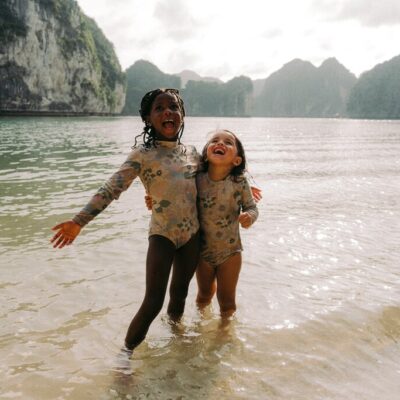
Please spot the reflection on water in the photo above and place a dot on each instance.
(318, 298)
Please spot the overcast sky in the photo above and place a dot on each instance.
(228, 38)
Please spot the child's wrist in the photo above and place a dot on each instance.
(78, 221)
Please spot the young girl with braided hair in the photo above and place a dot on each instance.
(167, 169)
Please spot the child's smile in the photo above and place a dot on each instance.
(222, 149)
(219, 150)
(166, 117)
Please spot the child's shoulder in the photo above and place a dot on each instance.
(240, 181)
(136, 152)
(189, 148)
(141, 149)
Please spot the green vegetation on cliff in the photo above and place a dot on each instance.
(142, 77)
(299, 89)
(230, 99)
(377, 92)
(201, 98)
(105, 59)
(81, 33)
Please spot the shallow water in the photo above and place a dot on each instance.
(318, 298)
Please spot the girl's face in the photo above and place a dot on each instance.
(165, 116)
(222, 150)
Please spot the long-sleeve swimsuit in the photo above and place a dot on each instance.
(168, 172)
(219, 206)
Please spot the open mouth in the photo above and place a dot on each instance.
(219, 151)
(168, 124)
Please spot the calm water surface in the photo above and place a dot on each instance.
(318, 298)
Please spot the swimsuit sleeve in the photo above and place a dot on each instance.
(248, 202)
(111, 189)
(197, 158)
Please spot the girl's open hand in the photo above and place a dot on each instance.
(67, 232)
(245, 220)
(257, 193)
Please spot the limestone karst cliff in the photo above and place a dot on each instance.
(54, 59)
(299, 89)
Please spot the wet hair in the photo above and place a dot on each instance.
(237, 171)
(149, 133)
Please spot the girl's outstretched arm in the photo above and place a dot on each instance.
(66, 234)
(256, 192)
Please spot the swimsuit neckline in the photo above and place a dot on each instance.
(167, 143)
(216, 182)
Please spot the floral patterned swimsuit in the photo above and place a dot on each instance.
(219, 206)
(167, 172)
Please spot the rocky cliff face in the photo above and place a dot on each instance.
(55, 59)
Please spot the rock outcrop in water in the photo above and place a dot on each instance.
(54, 59)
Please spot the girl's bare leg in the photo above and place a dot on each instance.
(227, 279)
(160, 255)
(185, 262)
(206, 282)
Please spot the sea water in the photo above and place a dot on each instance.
(318, 296)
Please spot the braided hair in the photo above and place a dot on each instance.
(237, 172)
(149, 133)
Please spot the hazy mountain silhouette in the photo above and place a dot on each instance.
(299, 89)
(188, 75)
(142, 77)
(376, 95)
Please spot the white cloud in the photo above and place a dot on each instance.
(372, 13)
(225, 38)
(178, 23)
(367, 12)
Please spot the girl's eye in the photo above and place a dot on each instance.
(174, 107)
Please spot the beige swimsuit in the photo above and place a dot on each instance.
(168, 172)
(219, 206)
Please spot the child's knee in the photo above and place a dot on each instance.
(227, 306)
(205, 294)
(179, 293)
(153, 305)
(203, 299)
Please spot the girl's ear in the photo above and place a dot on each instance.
(147, 121)
(237, 161)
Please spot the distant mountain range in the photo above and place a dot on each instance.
(376, 95)
(298, 89)
(187, 75)
(55, 60)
